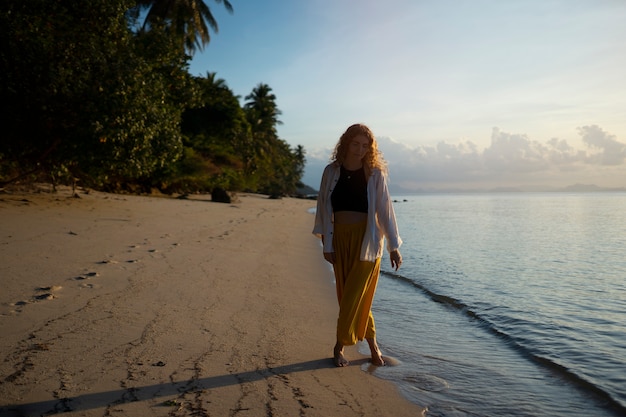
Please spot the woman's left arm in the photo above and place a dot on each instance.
(387, 221)
(396, 259)
(386, 215)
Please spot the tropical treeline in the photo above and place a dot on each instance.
(99, 92)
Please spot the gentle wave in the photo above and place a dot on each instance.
(561, 371)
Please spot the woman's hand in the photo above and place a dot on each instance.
(330, 257)
(396, 259)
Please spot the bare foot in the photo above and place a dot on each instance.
(377, 357)
(338, 359)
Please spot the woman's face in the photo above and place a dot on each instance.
(357, 148)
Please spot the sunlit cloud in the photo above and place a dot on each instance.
(511, 160)
(611, 152)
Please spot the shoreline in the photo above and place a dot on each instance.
(137, 305)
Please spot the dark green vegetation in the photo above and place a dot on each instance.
(99, 92)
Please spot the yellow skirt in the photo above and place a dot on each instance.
(356, 282)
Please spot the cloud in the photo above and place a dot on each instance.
(514, 153)
(511, 160)
(612, 151)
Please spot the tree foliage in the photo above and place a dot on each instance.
(184, 20)
(273, 164)
(86, 95)
(216, 134)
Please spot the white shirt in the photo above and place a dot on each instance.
(381, 218)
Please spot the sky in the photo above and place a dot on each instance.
(470, 94)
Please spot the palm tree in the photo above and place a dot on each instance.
(262, 110)
(213, 82)
(186, 19)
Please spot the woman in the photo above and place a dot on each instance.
(354, 216)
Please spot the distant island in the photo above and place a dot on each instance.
(309, 192)
(575, 188)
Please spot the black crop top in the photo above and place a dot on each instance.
(350, 193)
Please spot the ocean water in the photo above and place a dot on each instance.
(508, 304)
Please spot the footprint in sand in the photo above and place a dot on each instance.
(53, 288)
(17, 305)
(46, 293)
(88, 275)
(41, 294)
(85, 277)
(45, 296)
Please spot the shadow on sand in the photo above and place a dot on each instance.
(122, 396)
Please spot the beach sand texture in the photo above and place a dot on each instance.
(145, 306)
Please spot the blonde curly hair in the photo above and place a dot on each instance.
(373, 157)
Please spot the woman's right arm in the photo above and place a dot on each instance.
(320, 213)
(323, 221)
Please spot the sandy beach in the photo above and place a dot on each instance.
(116, 305)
